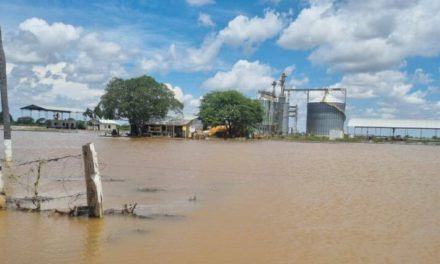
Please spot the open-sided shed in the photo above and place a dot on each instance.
(391, 125)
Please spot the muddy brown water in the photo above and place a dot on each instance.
(257, 202)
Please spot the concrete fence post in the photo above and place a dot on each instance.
(2, 191)
(93, 181)
(5, 105)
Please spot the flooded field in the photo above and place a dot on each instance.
(257, 202)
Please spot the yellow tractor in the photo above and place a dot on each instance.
(217, 131)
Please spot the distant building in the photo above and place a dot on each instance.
(172, 127)
(62, 124)
(389, 127)
(277, 109)
(62, 117)
(324, 113)
(106, 125)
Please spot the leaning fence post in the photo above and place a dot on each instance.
(93, 181)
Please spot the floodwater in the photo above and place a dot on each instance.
(256, 202)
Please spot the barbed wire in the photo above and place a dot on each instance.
(32, 177)
(48, 160)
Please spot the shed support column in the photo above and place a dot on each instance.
(93, 181)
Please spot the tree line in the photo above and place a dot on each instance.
(138, 100)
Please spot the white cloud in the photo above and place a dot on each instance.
(433, 90)
(417, 97)
(48, 85)
(160, 62)
(389, 84)
(203, 58)
(289, 70)
(205, 20)
(421, 77)
(190, 103)
(102, 50)
(62, 87)
(295, 82)
(200, 2)
(244, 76)
(242, 31)
(298, 83)
(87, 69)
(381, 112)
(361, 36)
(40, 42)
(183, 59)
(60, 64)
(57, 36)
(249, 32)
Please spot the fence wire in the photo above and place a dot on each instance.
(47, 183)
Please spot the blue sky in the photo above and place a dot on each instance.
(385, 52)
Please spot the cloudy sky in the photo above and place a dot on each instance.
(385, 52)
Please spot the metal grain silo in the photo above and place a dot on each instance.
(325, 116)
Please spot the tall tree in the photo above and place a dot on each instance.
(95, 113)
(88, 113)
(232, 109)
(138, 100)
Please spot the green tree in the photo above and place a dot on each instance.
(88, 113)
(138, 100)
(25, 120)
(232, 109)
(95, 113)
(41, 121)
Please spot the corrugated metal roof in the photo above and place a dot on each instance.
(172, 121)
(394, 123)
(34, 107)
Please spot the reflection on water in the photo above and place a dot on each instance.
(257, 202)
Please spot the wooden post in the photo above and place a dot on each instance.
(93, 181)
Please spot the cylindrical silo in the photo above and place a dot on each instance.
(325, 116)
